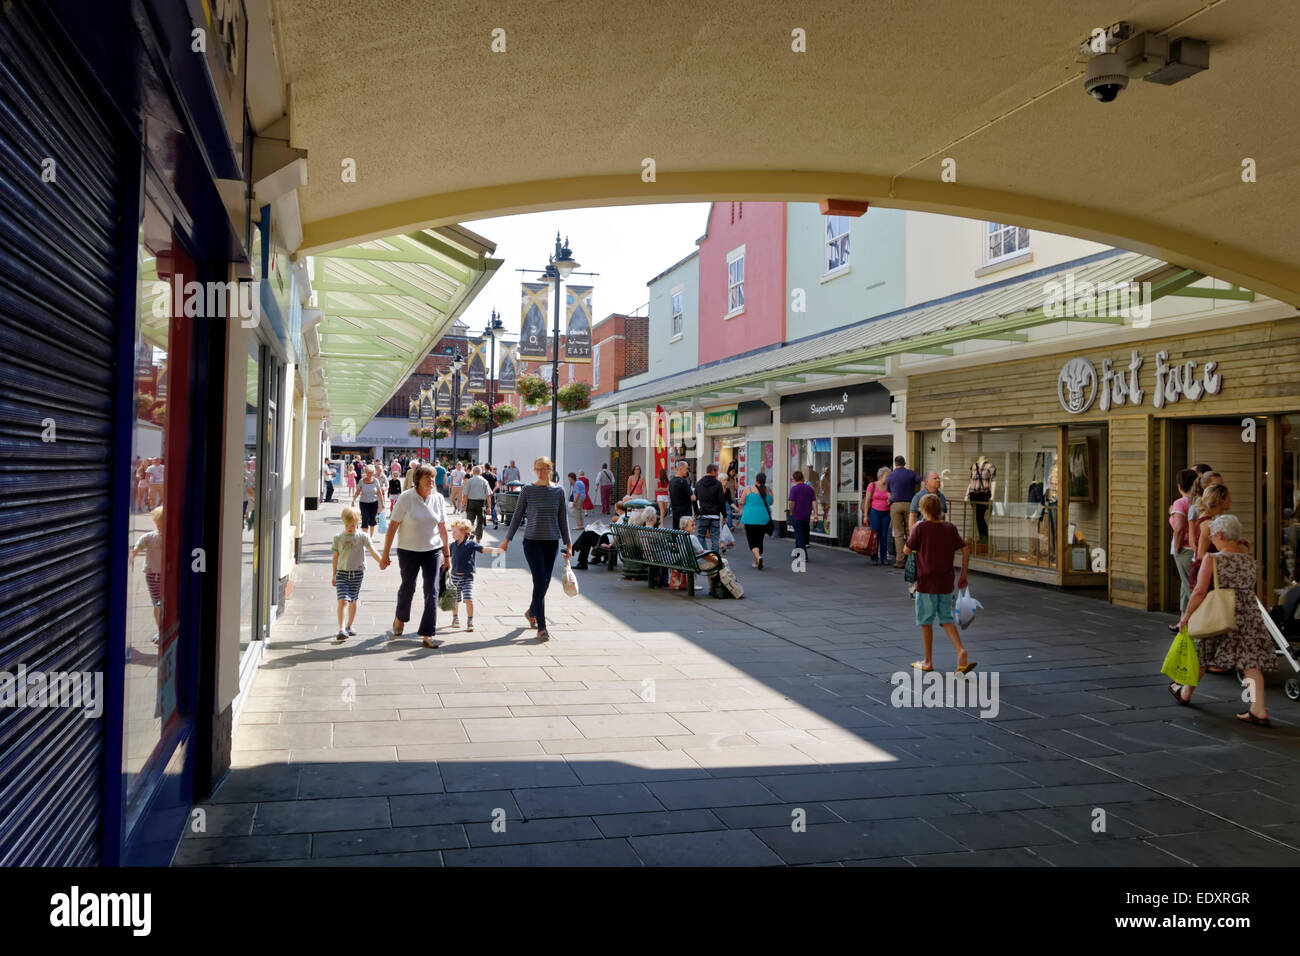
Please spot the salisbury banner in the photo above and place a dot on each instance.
(476, 373)
(413, 413)
(507, 374)
(577, 330)
(444, 392)
(660, 432)
(532, 337)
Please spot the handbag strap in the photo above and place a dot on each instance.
(1215, 567)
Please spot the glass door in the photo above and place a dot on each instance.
(265, 519)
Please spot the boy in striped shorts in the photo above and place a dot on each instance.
(151, 543)
(349, 567)
(463, 550)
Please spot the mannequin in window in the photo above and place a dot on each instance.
(1051, 513)
(979, 492)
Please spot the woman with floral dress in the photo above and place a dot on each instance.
(1248, 646)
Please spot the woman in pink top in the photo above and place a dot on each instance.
(1181, 546)
(875, 504)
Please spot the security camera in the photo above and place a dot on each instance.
(1107, 74)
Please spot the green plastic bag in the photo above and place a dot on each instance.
(446, 593)
(1182, 666)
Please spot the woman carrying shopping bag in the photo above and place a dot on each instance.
(1246, 645)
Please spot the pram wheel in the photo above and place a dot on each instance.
(1292, 688)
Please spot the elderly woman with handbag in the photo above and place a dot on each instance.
(1226, 621)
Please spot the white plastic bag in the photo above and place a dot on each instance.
(965, 605)
(570, 581)
(726, 539)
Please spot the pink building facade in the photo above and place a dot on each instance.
(742, 279)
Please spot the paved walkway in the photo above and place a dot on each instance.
(655, 729)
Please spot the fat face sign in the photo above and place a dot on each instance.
(1079, 383)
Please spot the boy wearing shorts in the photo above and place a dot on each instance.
(349, 567)
(151, 543)
(463, 551)
(934, 541)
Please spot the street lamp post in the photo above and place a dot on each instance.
(561, 267)
(494, 331)
(458, 361)
(433, 394)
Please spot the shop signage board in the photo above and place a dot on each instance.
(1079, 384)
(725, 418)
(830, 404)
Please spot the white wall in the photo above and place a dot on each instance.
(945, 252)
(232, 497)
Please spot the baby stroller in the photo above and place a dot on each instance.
(1283, 623)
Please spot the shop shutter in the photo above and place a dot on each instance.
(58, 277)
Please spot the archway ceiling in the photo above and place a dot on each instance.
(444, 130)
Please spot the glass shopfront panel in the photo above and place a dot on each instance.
(248, 509)
(1089, 479)
(758, 457)
(1003, 490)
(160, 437)
(1288, 556)
(812, 456)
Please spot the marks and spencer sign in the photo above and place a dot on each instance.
(871, 398)
(1079, 384)
(725, 418)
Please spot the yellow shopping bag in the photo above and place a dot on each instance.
(1182, 666)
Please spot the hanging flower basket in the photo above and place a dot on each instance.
(477, 413)
(534, 389)
(503, 413)
(426, 433)
(442, 421)
(574, 397)
(413, 431)
(465, 425)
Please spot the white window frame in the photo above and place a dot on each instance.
(676, 312)
(735, 255)
(829, 240)
(595, 366)
(1005, 230)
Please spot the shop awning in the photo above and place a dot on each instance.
(999, 316)
(386, 303)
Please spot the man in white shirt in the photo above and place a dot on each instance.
(458, 487)
(155, 475)
(477, 495)
(605, 482)
(327, 475)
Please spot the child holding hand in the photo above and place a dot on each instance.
(349, 567)
(463, 551)
(935, 541)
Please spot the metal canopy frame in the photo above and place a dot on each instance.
(1001, 315)
(386, 303)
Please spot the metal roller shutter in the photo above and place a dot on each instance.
(58, 278)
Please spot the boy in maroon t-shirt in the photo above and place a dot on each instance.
(934, 541)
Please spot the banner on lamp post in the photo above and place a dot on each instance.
(577, 330)
(476, 368)
(532, 335)
(507, 373)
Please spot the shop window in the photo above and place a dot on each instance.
(1003, 241)
(1003, 489)
(159, 437)
(812, 456)
(1289, 539)
(248, 505)
(837, 243)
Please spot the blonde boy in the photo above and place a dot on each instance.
(463, 550)
(348, 567)
(934, 541)
(151, 543)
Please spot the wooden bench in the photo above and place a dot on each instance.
(642, 548)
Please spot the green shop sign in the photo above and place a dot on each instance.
(721, 419)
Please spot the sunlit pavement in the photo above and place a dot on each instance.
(657, 729)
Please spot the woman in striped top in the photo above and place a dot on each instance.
(543, 503)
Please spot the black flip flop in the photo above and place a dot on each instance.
(1249, 718)
(1178, 695)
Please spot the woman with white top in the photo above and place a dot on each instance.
(371, 492)
(458, 487)
(543, 503)
(419, 520)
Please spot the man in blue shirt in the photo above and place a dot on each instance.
(440, 478)
(902, 484)
(931, 487)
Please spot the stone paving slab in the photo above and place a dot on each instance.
(657, 730)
